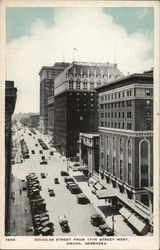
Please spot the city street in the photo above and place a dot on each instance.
(64, 202)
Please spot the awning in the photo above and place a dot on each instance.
(104, 194)
(137, 223)
(92, 180)
(125, 213)
(98, 186)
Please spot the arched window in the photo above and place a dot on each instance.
(114, 143)
(144, 159)
(78, 86)
(129, 162)
(121, 149)
(71, 84)
(98, 83)
(85, 85)
(91, 85)
(107, 142)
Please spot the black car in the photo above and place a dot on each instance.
(51, 192)
(82, 199)
(56, 181)
(96, 220)
(40, 151)
(33, 151)
(64, 173)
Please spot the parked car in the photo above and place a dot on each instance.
(45, 162)
(51, 192)
(40, 151)
(82, 199)
(64, 173)
(43, 175)
(56, 181)
(33, 151)
(70, 183)
(104, 230)
(75, 189)
(68, 178)
(96, 220)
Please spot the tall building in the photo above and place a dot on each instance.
(47, 77)
(76, 103)
(50, 107)
(10, 101)
(126, 135)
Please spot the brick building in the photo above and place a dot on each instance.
(76, 103)
(126, 135)
(47, 77)
(10, 101)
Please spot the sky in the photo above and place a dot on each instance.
(39, 37)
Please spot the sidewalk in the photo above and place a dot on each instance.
(19, 219)
(102, 208)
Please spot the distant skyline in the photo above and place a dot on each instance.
(39, 37)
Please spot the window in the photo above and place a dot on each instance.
(148, 126)
(107, 162)
(102, 140)
(115, 125)
(144, 163)
(105, 106)
(105, 115)
(121, 169)
(111, 105)
(119, 95)
(114, 166)
(102, 123)
(108, 115)
(123, 115)
(108, 124)
(85, 85)
(129, 148)
(70, 84)
(129, 114)
(123, 125)
(111, 96)
(129, 173)
(102, 155)
(112, 115)
(115, 114)
(121, 145)
(148, 114)
(108, 105)
(114, 143)
(102, 115)
(98, 83)
(102, 106)
(122, 104)
(111, 124)
(129, 104)
(105, 124)
(119, 125)
(92, 85)
(77, 84)
(108, 142)
(115, 104)
(129, 126)
(148, 103)
(148, 92)
(119, 104)
(123, 94)
(119, 115)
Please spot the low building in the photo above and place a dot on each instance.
(89, 151)
(10, 101)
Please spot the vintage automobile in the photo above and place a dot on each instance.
(82, 199)
(44, 162)
(96, 220)
(70, 183)
(33, 151)
(68, 178)
(104, 230)
(75, 189)
(56, 181)
(64, 224)
(51, 192)
(47, 231)
(43, 175)
(64, 173)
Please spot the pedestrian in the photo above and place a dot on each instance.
(25, 210)
(20, 191)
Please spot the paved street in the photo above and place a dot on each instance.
(64, 203)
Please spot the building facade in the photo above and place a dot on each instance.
(47, 77)
(34, 119)
(50, 107)
(126, 135)
(89, 151)
(76, 102)
(10, 101)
